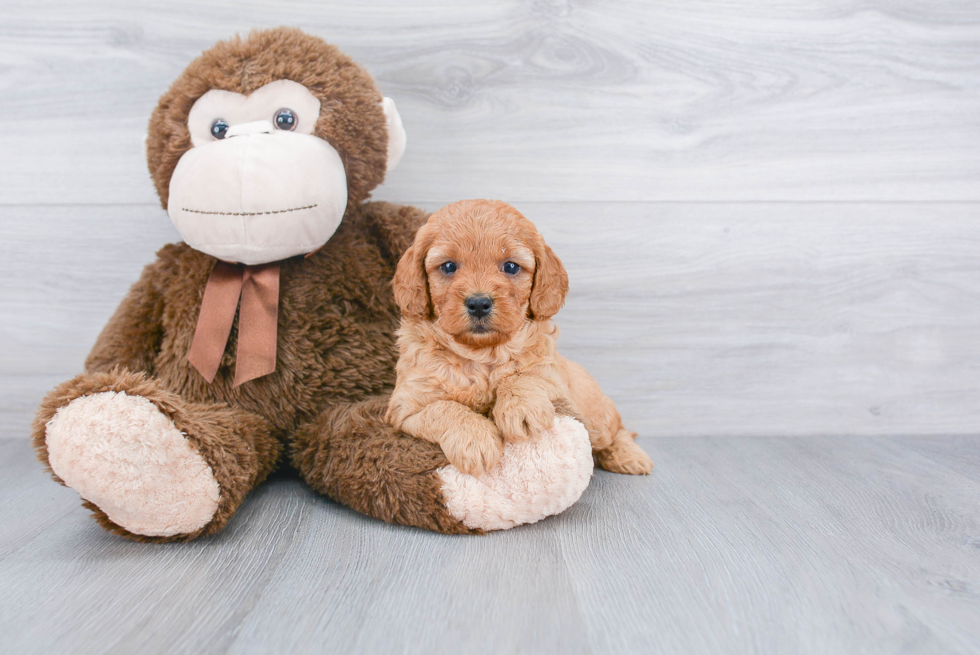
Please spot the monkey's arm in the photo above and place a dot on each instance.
(131, 339)
(394, 226)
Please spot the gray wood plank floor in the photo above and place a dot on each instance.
(734, 545)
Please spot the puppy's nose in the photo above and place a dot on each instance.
(479, 306)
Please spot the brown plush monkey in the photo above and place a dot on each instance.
(267, 335)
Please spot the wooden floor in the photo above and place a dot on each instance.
(768, 212)
(734, 545)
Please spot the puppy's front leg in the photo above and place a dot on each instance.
(523, 408)
(471, 442)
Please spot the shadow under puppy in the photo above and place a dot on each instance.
(478, 365)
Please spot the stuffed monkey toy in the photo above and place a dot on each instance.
(267, 335)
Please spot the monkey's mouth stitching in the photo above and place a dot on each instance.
(277, 211)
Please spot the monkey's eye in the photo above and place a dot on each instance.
(219, 128)
(448, 268)
(285, 119)
(510, 268)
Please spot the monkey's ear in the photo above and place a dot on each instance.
(397, 138)
(411, 284)
(550, 283)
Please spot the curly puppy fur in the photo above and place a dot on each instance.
(478, 365)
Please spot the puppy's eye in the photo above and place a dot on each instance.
(510, 268)
(448, 268)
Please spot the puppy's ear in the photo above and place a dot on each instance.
(411, 284)
(550, 283)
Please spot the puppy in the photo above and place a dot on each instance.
(478, 365)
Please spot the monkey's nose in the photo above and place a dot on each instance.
(255, 127)
(479, 305)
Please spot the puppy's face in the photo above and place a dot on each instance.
(479, 270)
(480, 279)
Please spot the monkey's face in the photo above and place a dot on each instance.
(261, 144)
(257, 185)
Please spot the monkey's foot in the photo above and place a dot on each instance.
(125, 456)
(533, 480)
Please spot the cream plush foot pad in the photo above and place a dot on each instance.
(532, 480)
(122, 454)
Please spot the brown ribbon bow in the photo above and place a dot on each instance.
(258, 289)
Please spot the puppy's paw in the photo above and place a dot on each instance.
(474, 447)
(624, 456)
(523, 417)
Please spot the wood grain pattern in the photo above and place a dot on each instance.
(547, 101)
(807, 545)
(697, 165)
(698, 319)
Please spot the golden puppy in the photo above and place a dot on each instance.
(477, 291)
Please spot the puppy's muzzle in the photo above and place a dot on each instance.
(478, 305)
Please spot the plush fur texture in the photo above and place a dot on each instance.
(322, 408)
(533, 479)
(351, 119)
(237, 445)
(350, 454)
(458, 369)
(148, 480)
(335, 343)
(336, 347)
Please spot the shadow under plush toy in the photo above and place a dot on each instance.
(269, 333)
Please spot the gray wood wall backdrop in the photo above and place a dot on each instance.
(768, 209)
